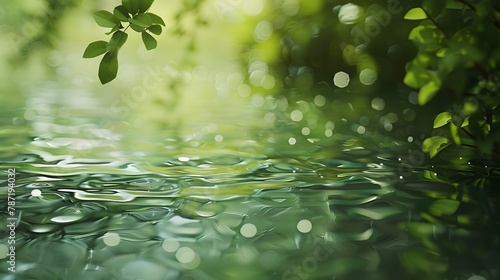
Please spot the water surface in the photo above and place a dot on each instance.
(240, 192)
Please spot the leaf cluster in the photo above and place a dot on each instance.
(458, 55)
(133, 14)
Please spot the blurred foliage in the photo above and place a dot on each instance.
(39, 28)
(367, 43)
(394, 53)
(318, 39)
(458, 56)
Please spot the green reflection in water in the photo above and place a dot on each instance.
(185, 204)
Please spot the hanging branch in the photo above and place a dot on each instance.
(435, 23)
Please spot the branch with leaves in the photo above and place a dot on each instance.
(458, 53)
(133, 14)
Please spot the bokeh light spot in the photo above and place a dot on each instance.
(361, 129)
(413, 97)
(409, 114)
(304, 226)
(296, 115)
(319, 100)
(253, 7)
(257, 100)
(36, 192)
(256, 77)
(248, 230)
(305, 131)
(170, 245)
(378, 103)
(111, 239)
(341, 79)
(244, 90)
(268, 82)
(219, 138)
(367, 76)
(330, 125)
(185, 255)
(263, 31)
(349, 13)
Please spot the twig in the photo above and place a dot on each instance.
(470, 146)
(435, 22)
(468, 134)
(467, 4)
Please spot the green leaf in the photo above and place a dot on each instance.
(117, 40)
(132, 6)
(156, 19)
(136, 27)
(149, 42)
(442, 119)
(433, 145)
(416, 77)
(441, 52)
(466, 122)
(108, 68)
(121, 13)
(428, 91)
(427, 37)
(95, 49)
(415, 14)
(155, 29)
(454, 134)
(144, 5)
(142, 20)
(414, 34)
(417, 73)
(105, 19)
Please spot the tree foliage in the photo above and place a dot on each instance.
(458, 56)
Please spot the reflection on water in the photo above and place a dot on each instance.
(275, 191)
(227, 217)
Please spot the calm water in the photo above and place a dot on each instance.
(250, 192)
